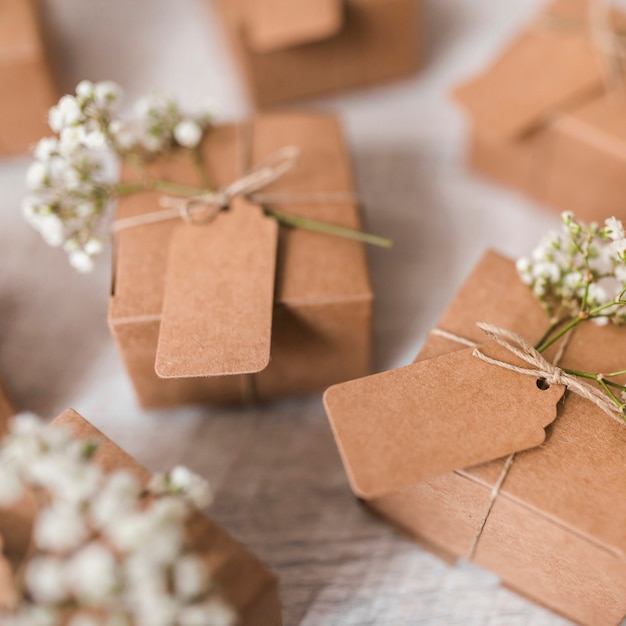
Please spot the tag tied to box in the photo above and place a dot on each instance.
(219, 295)
(407, 425)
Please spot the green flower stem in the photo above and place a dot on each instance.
(550, 330)
(296, 221)
(612, 374)
(566, 329)
(329, 229)
(597, 312)
(605, 384)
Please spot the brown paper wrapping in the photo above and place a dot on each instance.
(547, 121)
(323, 300)
(323, 46)
(556, 531)
(6, 410)
(244, 582)
(26, 86)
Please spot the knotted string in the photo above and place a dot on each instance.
(205, 207)
(540, 368)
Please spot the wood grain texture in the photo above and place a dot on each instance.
(279, 484)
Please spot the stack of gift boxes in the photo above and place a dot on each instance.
(531, 508)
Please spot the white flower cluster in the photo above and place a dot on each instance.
(105, 552)
(580, 269)
(71, 183)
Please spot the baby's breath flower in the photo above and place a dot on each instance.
(71, 189)
(581, 267)
(98, 546)
(45, 580)
(613, 229)
(187, 133)
(60, 528)
(183, 481)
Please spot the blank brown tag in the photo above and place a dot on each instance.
(404, 426)
(276, 24)
(219, 296)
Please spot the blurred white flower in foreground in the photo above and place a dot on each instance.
(105, 550)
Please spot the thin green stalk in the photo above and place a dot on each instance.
(284, 218)
(125, 189)
(329, 229)
(550, 330)
(176, 188)
(607, 389)
(544, 346)
(196, 157)
(612, 374)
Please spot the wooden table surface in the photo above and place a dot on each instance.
(279, 484)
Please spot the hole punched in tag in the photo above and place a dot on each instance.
(543, 384)
(402, 427)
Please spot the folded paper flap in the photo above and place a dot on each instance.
(546, 71)
(276, 24)
(405, 426)
(19, 32)
(219, 295)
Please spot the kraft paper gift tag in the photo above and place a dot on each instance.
(219, 295)
(420, 421)
(276, 24)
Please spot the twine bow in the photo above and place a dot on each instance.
(542, 368)
(204, 208)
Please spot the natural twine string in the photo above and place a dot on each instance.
(205, 207)
(541, 368)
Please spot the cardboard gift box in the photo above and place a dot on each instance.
(292, 49)
(548, 520)
(548, 115)
(6, 410)
(318, 332)
(27, 90)
(244, 583)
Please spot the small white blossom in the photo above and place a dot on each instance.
(46, 148)
(66, 113)
(184, 481)
(188, 133)
(614, 229)
(45, 579)
(93, 246)
(51, 228)
(116, 500)
(92, 573)
(37, 175)
(107, 93)
(60, 528)
(85, 89)
(81, 261)
(212, 613)
(11, 487)
(190, 577)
